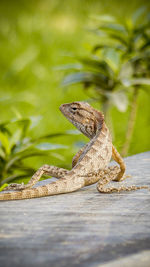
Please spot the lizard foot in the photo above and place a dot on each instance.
(123, 178)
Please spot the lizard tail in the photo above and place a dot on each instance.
(61, 186)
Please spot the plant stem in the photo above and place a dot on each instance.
(131, 123)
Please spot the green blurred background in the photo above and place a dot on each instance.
(35, 38)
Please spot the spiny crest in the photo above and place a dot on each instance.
(84, 117)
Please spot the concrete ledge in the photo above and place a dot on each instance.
(84, 228)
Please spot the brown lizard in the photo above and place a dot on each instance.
(89, 165)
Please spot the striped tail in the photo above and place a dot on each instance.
(61, 186)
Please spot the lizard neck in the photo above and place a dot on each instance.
(102, 138)
(101, 132)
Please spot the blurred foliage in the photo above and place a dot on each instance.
(118, 64)
(131, 38)
(35, 37)
(102, 77)
(16, 146)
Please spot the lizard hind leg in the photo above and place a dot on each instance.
(116, 156)
(109, 175)
(45, 169)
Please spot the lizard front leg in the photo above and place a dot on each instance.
(45, 169)
(109, 175)
(77, 156)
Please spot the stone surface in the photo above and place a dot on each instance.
(84, 228)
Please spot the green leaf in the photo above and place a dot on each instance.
(35, 153)
(15, 146)
(21, 148)
(119, 38)
(58, 156)
(104, 18)
(74, 132)
(21, 156)
(76, 78)
(145, 45)
(15, 137)
(34, 121)
(126, 71)
(3, 186)
(23, 124)
(74, 66)
(97, 65)
(112, 58)
(115, 27)
(5, 143)
(119, 99)
(3, 124)
(83, 77)
(48, 146)
(138, 13)
(104, 46)
(118, 32)
(2, 154)
(140, 81)
(47, 136)
(3, 127)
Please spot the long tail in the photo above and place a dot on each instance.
(61, 186)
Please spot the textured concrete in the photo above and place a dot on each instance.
(83, 228)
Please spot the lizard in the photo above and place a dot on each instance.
(89, 165)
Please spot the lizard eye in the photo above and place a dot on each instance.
(74, 109)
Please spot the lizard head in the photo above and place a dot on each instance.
(84, 117)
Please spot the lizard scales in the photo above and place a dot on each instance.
(89, 165)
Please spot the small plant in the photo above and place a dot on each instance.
(16, 146)
(132, 38)
(118, 64)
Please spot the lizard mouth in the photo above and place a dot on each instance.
(63, 108)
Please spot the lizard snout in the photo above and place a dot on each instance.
(63, 108)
